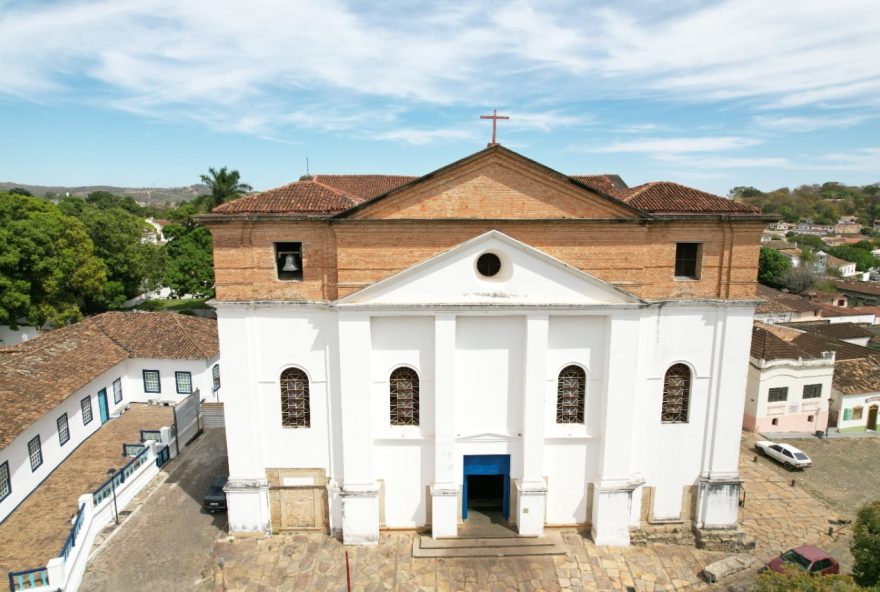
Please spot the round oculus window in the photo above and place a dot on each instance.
(488, 264)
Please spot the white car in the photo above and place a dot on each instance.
(788, 455)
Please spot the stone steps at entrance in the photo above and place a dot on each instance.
(427, 547)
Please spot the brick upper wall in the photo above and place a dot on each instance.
(341, 257)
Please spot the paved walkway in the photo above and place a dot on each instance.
(165, 544)
(36, 531)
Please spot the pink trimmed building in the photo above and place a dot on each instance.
(788, 388)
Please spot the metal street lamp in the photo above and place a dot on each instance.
(112, 472)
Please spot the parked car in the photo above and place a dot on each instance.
(808, 558)
(215, 499)
(788, 455)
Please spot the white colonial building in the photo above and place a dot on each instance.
(60, 387)
(399, 349)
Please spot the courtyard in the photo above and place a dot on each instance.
(777, 514)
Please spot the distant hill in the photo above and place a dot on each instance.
(145, 195)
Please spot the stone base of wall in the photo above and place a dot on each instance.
(730, 540)
(670, 534)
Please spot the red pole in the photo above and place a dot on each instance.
(347, 573)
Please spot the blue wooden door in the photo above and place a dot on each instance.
(487, 464)
(102, 405)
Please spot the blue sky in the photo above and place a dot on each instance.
(709, 94)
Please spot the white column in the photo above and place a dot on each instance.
(360, 492)
(612, 494)
(531, 490)
(445, 489)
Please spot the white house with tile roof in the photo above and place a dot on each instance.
(59, 387)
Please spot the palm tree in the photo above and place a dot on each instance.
(224, 185)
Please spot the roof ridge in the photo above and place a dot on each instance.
(355, 200)
(185, 332)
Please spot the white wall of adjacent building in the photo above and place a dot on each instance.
(796, 413)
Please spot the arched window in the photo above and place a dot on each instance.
(295, 399)
(676, 394)
(404, 386)
(571, 389)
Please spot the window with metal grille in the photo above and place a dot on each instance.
(5, 482)
(63, 429)
(117, 390)
(404, 387)
(184, 382)
(812, 391)
(687, 260)
(571, 389)
(215, 375)
(295, 399)
(777, 395)
(151, 381)
(676, 394)
(86, 406)
(35, 452)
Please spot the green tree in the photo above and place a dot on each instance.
(224, 185)
(863, 259)
(47, 263)
(20, 191)
(808, 240)
(772, 265)
(866, 545)
(190, 264)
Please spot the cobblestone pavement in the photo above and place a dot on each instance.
(165, 544)
(843, 474)
(36, 531)
(305, 562)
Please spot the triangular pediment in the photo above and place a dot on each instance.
(495, 183)
(526, 277)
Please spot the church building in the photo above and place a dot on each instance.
(399, 350)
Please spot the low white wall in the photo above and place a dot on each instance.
(67, 575)
(10, 336)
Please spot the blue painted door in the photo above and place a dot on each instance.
(487, 464)
(102, 405)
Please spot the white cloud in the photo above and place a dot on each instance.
(808, 123)
(662, 146)
(257, 66)
(420, 137)
(725, 162)
(865, 160)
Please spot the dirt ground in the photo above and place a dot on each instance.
(843, 475)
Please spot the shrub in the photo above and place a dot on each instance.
(866, 545)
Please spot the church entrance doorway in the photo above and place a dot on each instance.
(486, 485)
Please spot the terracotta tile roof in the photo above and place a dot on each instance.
(832, 261)
(871, 288)
(784, 333)
(853, 377)
(300, 197)
(768, 346)
(816, 344)
(38, 374)
(776, 301)
(833, 330)
(324, 195)
(668, 197)
(364, 187)
(830, 311)
(317, 195)
(608, 184)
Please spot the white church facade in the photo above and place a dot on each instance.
(572, 349)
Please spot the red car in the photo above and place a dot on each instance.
(808, 558)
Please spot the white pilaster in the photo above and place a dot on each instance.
(247, 489)
(612, 497)
(444, 491)
(531, 490)
(718, 505)
(360, 492)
